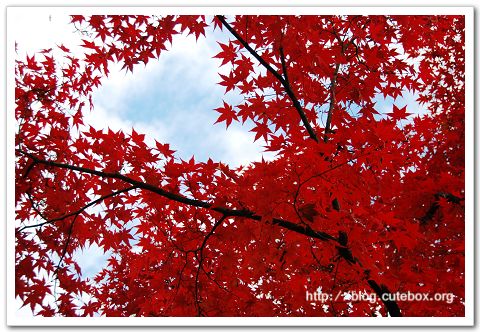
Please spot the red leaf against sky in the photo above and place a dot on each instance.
(227, 114)
(399, 113)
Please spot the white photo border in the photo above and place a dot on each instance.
(468, 320)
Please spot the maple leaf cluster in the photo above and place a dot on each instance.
(352, 201)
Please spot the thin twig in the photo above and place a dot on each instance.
(200, 261)
(70, 230)
(53, 220)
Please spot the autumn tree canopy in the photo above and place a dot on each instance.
(355, 200)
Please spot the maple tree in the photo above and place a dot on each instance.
(354, 200)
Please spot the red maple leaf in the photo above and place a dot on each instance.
(227, 114)
(399, 113)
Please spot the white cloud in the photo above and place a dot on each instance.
(240, 151)
(101, 118)
(35, 29)
(172, 100)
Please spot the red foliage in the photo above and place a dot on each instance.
(352, 202)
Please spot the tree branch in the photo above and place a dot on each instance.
(185, 200)
(331, 107)
(284, 66)
(275, 73)
(381, 291)
(30, 167)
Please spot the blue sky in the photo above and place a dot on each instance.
(170, 100)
